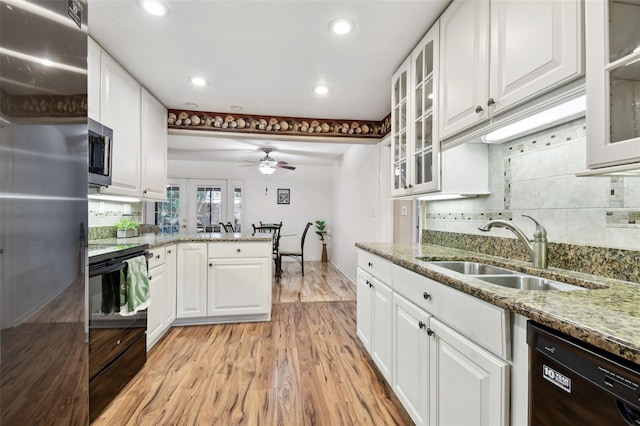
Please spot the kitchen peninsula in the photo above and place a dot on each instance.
(206, 278)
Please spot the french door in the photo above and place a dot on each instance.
(199, 205)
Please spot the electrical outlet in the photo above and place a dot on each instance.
(404, 211)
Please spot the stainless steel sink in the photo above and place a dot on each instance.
(528, 282)
(473, 268)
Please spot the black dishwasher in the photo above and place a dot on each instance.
(574, 383)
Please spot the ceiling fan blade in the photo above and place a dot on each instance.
(282, 162)
(247, 165)
(284, 166)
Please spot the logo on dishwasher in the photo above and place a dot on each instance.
(558, 379)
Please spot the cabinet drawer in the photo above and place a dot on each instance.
(375, 265)
(485, 324)
(157, 258)
(240, 249)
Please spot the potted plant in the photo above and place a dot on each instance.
(321, 230)
(127, 228)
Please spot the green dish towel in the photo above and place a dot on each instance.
(136, 292)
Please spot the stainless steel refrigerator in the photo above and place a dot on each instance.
(43, 212)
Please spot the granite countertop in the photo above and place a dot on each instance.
(158, 240)
(607, 315)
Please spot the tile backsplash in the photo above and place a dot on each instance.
(535, 175)
(103, 216)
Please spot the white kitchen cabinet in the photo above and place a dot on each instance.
(171, 265)
(375, 310)
(415, 142)
(154, 148)
(237, 287)
(497, 54)
(157, 288)
(191, 300)
(162, 285)
(411, 358)
(468, 385)
(120, 111)
(400, 129)
(613, 83)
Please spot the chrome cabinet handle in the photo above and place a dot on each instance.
(211, 264)
(370, 264)
(421, 324)
(430, 332)
(426, 295)
(158, 257)
(479, 109)
(239, 250)
(491, 102)
(369, 284)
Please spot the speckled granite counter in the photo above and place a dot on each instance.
(158, 240)
(606, 316)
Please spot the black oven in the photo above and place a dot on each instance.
(117, 341)
(100, 154)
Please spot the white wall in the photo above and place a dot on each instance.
(311, 197)
(356, 205)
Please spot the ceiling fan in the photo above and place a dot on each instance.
(267, 165)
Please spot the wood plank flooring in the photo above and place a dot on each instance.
(304, 367)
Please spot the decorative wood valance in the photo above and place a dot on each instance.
(277, 125)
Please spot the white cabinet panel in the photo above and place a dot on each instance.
(237, 287)
(192, 280)
(154, 148)
(469, 386)
(364, 308)
(171, 266)
(120, 111)
(382, 320)
(93, 79)
(411, 358)
(157, 288)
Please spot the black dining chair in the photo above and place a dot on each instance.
(297, 254)
(273, 228)
(228, 227)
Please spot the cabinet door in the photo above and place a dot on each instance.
(363, 301)
(154, 148)
(157, 284)
(411, 358)
(192, 280)
(535, 46)
(425, 144)
(464, 65)
(469, 386)
(613, 83)
(120, 110)
(93, 80)
(171, 264)
(382, 323)
(400, 130)
(239, 287)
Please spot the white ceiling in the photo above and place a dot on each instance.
(265, 56)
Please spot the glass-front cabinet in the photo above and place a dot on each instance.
(399, 129)
(415, 145)
(425, 146)
(613, 82)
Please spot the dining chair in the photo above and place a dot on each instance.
(228, 227)
(273, 228)
(297, 254)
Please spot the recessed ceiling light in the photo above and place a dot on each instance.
(342, 26)
(191, 104)
(155, 7)
(321, 90)
(235, 107)
(198, 81)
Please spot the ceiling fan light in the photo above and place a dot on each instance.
(266, 168)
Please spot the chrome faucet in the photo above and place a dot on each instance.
(537, 250)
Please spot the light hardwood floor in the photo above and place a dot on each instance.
(304, 367)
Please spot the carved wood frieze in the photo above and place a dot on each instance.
(277, 125)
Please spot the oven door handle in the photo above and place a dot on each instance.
(107, 269)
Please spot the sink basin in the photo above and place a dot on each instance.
(473, 268)
(527, 282)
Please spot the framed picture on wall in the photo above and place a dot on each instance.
(284, 196)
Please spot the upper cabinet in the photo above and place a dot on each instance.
(414, 139)
(497, 54)
(138, 121)
(154, 148)
(613, 82)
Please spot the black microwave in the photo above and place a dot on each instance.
(100, 153)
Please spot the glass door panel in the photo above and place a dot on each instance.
(624, 28)
(170, 215)
(624, 101)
